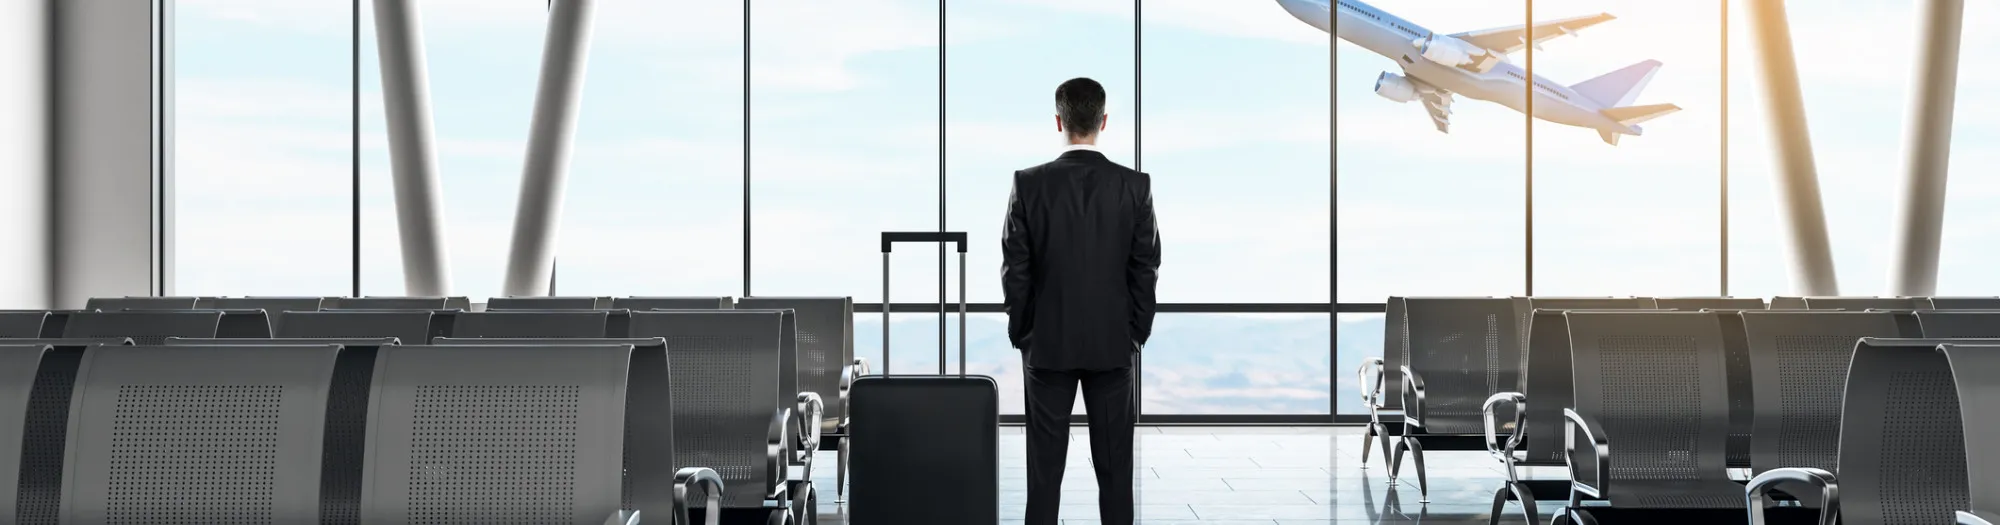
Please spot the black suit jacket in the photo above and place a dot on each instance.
(1082, 253)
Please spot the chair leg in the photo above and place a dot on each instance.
(1499, 506)
(1423, 482)
(1382, 434)
(1583, 517)
(1396, 465)
(840, 473)
(1367, 440)
(1527, 499)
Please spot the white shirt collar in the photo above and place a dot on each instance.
(1083, 147)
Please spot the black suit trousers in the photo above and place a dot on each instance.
(1107, 397)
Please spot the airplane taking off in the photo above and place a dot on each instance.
(1475, 64)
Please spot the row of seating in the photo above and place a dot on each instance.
(716, 362)
(1688, 393)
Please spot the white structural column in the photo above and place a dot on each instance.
(406, 99)
(565, 52)
(1929, 148)
(1797, 178)
(113, 149)
(25, 140)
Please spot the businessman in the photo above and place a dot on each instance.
(1082, 258)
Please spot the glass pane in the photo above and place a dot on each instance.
(1856, 118)
(1238, 364)
(1360, 338)
(263, 187)
(1423, 211)
(1237, 119)
(844, 145)
(1007, 57)
(1641, 217)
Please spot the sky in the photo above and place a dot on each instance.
(1233, 119)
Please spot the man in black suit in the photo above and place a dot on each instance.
(1082, 257)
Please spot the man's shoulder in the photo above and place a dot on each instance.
(1068, 164)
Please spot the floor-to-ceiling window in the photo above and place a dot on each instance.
(263, 129)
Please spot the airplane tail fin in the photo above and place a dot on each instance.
(1621, 87)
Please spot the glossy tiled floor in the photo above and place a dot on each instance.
(1251, 475)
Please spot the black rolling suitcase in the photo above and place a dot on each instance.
(926, 448)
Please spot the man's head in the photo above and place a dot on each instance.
(1080, 109)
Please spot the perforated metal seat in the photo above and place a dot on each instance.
(1798, 362)
(272, 306)
(45, 430)
(1709, 303)
(1938, 324)
(145, 328)
(1915, 422)
(1462, 350)
(184, 434)
(1651, 387)
(234, 324)
(535, 433)
(1962, 303)
(673, 303)
(548, 303)
(529, 323)
(18, 366)
(114, 304)
(1386, 391)
(389, 303)
(726, 407)
(1788, 303)
(25, 324)
(1863, 303)
(410, 326)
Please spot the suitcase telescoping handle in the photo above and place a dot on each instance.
(889, 240)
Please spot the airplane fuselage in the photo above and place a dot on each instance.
(1505, 83)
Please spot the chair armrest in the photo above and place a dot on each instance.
(777, 442)
(1976, 517)
(811, 410)
(1600, 450)
(1371, 395)
(1413, 397)
(1505, 451)
(848, 374)
(709, 483)
(1829, 489)
(623, 517)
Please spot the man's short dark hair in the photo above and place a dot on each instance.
(1080, 103)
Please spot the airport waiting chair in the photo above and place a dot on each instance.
(654, 393)
(145, 328)
(1524, 308)
(272, 306)
(407, 326)
(1461, 351)
(391, 303)
(18, 366)
(826, 364)
(530, 323)
(234, 324)
(136, 452)
(45, 429)
(727, 414)
(1694, 304)
(114, 304)
(1787, 303)
(1798, 363)
(1962, 303)
(1941, 324)
(1386, 392)
(1651, 387)
(450, 443)
(1911, 408)
(1864, 303)
(673, 303)
(22, 324)
(548, 303)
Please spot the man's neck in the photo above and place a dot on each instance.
(1086, 145)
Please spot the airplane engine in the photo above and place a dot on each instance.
(1448, 51)
(1394, 87)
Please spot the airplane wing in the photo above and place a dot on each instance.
(1513, 38)
(1438, 102)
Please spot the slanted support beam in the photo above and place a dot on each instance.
(565, 51)
(406, 100)
(1797, 178)
(1928, 152)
